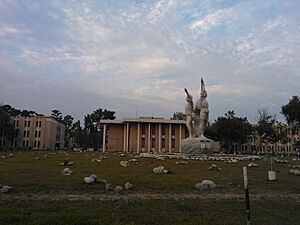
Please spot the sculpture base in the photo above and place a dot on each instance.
(194, 146)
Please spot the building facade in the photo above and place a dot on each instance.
(143, 135)
(37, 133)
(254, 144)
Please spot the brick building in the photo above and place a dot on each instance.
(37, 132)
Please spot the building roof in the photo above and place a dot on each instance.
(143, 120)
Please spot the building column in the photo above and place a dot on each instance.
(124, 139)
(149, 139)
(159, 138)
(138, 139)
(127, 137)
(104, 138)
(170, 138)
(179, 138)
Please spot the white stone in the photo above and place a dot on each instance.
(205, 185)
(181, 162)
(88, 180)
(158, 170)
(124, 163)
(252, 165)
(214, 167)
(297, 172)
(66, 171)
(128, 186)
(6, 189)
(118, 188)
(94, 176)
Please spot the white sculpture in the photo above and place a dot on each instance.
(197, 117)
(196, 122)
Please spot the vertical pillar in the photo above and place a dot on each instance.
(127, 138)
(149, 139)
(170, 138)
(159, 137)
(124, 139)
(138, 139)
(104, 138)
(180, 138)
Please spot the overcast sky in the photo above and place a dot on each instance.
(138, 56)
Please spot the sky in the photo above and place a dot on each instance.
(136, 57)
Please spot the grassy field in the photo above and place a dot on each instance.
(29, 175)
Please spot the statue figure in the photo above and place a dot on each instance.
(197, 117)
(196, 122)
(203, 110)
(189, 113)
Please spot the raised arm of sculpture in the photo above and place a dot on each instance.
(189, 107)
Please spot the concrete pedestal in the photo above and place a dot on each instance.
(194, 146)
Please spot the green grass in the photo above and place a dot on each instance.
(149, 212)
(26, 174)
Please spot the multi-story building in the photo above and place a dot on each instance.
(254, 143)
(36, 132)
(149, 135)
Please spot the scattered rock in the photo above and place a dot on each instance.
(295, 172)
(66, 172)
(108, 187)
(181, 162)
(3, 157)
(135, 161)
(205, 185)
(88, 180)
(94, 176)
(252, 165)
(215, 167)
(5, 189)
(118, 189)
(128, 186)
(284, 161)
(67, 163)
(160, 170)
(124, 163)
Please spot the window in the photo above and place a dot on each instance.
(173, 143)
(153, 143)
(23, 143)
(17, 123)
(143, 129)
(24, 134)
(153, 129)
(25, 123)
(143, 142)
(163, 129)
(173, 130)
(38, 144)
(36, 123)
(163, 143)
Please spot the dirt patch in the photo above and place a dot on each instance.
(142, 196)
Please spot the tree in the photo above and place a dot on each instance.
(77, 133)
(230, 129)
(92, 131)
(270, 130)
(178, 116)
(56, 114)
(68, 122)
(7, 130)
(291, 111)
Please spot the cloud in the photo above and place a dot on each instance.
(145, 53)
